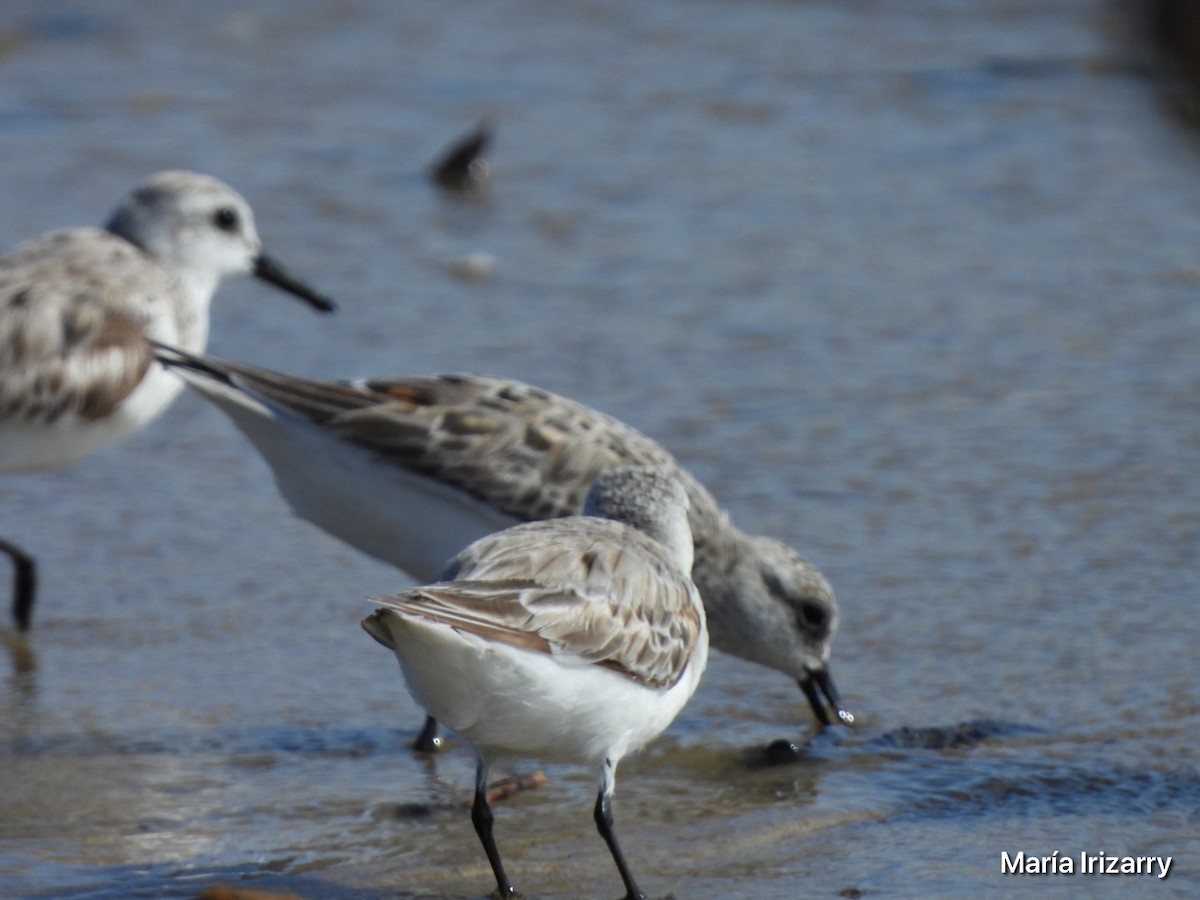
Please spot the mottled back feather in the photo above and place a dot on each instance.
(590, 588)
(71, 338)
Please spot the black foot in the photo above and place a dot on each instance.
(781, 753)
(429, 741)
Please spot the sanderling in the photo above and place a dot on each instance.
(410, 469)
(576, 639)
(76, 308)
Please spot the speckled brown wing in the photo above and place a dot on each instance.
(71, 336)
(529, 453)
(591, 588)
(525, 451)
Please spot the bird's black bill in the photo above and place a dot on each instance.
(819, 690)
(270, 271)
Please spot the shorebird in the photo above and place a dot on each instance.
(576, 639)
(409, 469)
(78, 305)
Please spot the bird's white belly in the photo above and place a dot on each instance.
(408, 520)
(43, 446)
(525, 703)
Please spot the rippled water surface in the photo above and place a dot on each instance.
(912, 286)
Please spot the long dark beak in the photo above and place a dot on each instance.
(818, 688)
(270, 271)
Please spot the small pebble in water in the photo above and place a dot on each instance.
(478, 266)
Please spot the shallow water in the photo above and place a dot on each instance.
(911, 286)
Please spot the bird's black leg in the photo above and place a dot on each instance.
(481, 818)
(428, 741)
(24, 584)
(604, 822)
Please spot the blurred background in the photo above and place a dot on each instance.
(911, 286)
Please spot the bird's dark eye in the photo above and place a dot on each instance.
(811, 616)
(814, 615)
(226, 219)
